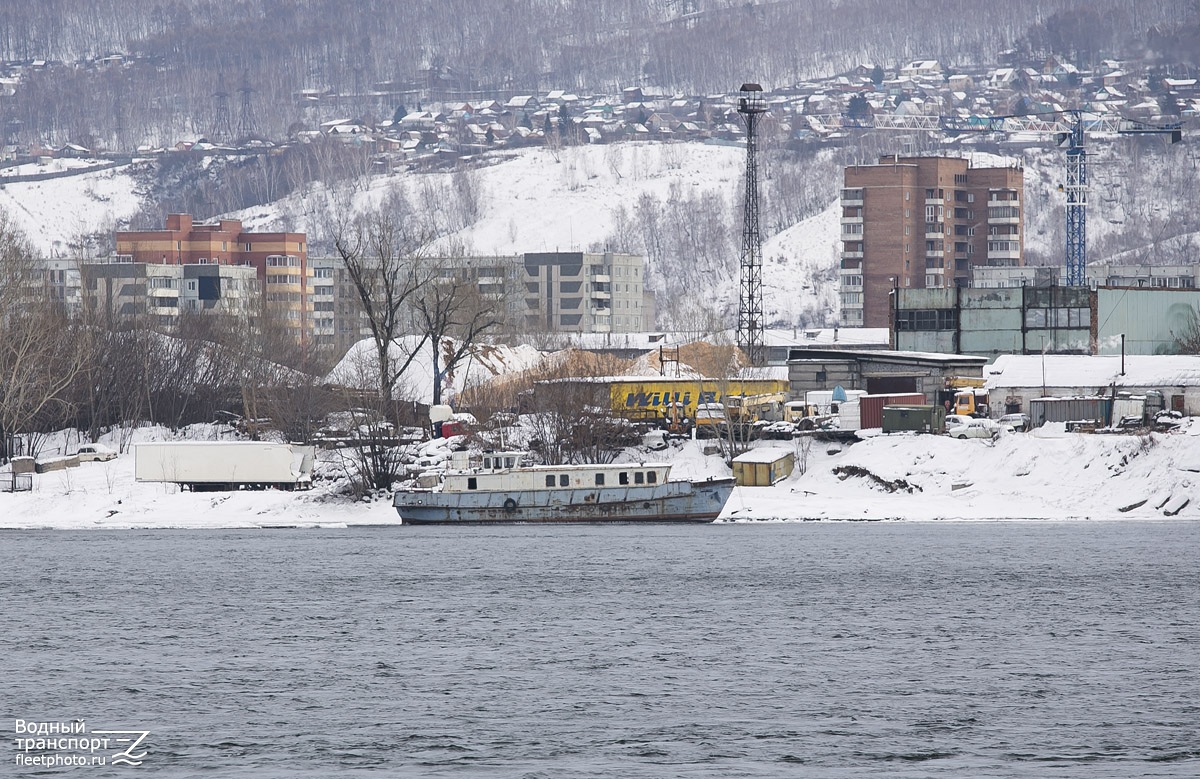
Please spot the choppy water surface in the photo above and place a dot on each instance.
(832, 650)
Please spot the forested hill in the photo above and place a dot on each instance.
(118, 74)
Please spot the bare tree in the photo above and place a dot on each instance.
(572, 418)
(453, 315)
(384, 251)
(1187, 340)
(39, 354)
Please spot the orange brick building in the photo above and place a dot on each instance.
(280, 259)
(923, 222)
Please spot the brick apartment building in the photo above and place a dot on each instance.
(279, 259)
(923, 222)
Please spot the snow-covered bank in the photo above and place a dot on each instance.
(1047, 474)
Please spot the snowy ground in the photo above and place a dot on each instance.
(1047, 474)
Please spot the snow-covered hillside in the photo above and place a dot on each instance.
(57, 214)
(679, 203)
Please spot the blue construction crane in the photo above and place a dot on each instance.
(1076, 185)
(1069, 126)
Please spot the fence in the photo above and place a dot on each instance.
(16, 482)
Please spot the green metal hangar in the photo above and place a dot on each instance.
(877, 372)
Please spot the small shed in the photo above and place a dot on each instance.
(763, 466)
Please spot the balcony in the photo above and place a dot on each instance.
(852, 256)
(935, 229)
(601, 295)
(602, 278)
(852, 220)
(852, 197)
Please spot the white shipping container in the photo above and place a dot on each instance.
(229, 463)
(823, 399)
(848, 416)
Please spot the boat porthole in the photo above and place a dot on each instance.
(646, 505)
(510, 505)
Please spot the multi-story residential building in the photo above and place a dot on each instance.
(118, 288)
(125, 290)
(279, 259)
(926, 223)
(323, 293)
(577, 292)
(1098, 275)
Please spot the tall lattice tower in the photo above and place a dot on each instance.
(222, 129)
(750, 306)
(246, 125)
(1077, 192)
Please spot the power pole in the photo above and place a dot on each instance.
(750, 307)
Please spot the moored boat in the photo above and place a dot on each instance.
(500, 490)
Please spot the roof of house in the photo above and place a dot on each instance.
(1093, 372)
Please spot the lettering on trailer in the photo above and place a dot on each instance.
(649, 399)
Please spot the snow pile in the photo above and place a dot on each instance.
(359, 368)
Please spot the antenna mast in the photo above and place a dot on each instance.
(750, 308)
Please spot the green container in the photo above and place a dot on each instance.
(914, 419)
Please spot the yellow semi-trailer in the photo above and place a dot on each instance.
(652, 399)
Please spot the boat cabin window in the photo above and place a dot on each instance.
(487, 463)
(639, 477)
(599, 480)
(549, 480)
(563, 480)
(623, 477)
(472, 483)
(508, 462)
(652, 476)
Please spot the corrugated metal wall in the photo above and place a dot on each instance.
(1149, 318)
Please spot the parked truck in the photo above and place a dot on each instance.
(965, 396)
(225, 465)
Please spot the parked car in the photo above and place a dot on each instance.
(976, 428)
(655, 440)
(954, 420)
(1018, 422)
(95, 453)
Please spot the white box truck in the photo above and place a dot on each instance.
(225, 465)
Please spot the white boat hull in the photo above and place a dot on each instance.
(672, 501)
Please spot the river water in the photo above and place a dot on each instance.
(815, 649)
